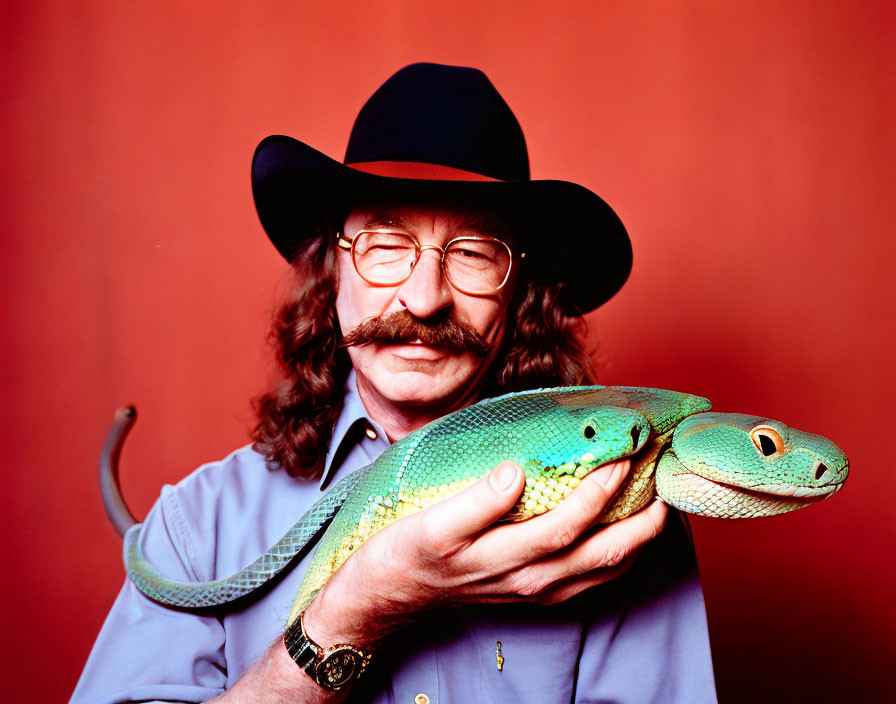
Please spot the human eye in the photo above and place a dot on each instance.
(381, 243)
(472, 251)
(384, 256)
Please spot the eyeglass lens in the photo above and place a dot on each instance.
(472, 265)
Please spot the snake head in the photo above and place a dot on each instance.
(612, 432)
(576, 442)
(567, 433)
(762, 466)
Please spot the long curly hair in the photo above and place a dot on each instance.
(296, 417)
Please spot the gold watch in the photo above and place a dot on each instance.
(333, 668)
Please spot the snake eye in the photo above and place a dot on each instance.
(767, 440)
(589, 432)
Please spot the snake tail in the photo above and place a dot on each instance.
(199, 595)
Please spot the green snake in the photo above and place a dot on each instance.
(723, 465)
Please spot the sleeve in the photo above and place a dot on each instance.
(145, 651)
(652, 646)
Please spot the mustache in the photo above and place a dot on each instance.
(439, 331)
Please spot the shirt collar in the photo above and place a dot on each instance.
(345, 431)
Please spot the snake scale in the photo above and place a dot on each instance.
(723, 465)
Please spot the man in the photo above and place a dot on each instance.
(430, 271)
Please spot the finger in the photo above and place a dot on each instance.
(598, 553)
(574, 586)
(599, 557)
(510, 588)
(555, 530)
(451, 524)
(609, 547)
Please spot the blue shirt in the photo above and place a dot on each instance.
(640, 638)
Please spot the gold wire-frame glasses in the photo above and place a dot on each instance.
(473, 264)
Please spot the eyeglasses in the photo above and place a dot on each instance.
(475, 265)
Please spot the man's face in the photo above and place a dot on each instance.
(410, 375)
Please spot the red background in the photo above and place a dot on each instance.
(748, 147)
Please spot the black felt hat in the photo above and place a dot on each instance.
(444, 133)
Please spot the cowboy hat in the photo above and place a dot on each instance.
(444, 133)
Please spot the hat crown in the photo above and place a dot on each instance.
(447, 115)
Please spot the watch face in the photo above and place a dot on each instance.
(339, 668)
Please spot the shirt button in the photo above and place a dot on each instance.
(421, 699)
(371, 433)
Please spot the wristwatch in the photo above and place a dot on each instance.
(332, 668)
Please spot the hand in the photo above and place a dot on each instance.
(455, 552)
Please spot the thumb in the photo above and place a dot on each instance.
(453, 522)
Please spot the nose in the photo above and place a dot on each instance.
(426, 291)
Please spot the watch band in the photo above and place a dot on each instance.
(332, 668)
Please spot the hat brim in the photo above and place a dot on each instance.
(569, 234)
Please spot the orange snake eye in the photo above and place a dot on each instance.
(767, 440)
